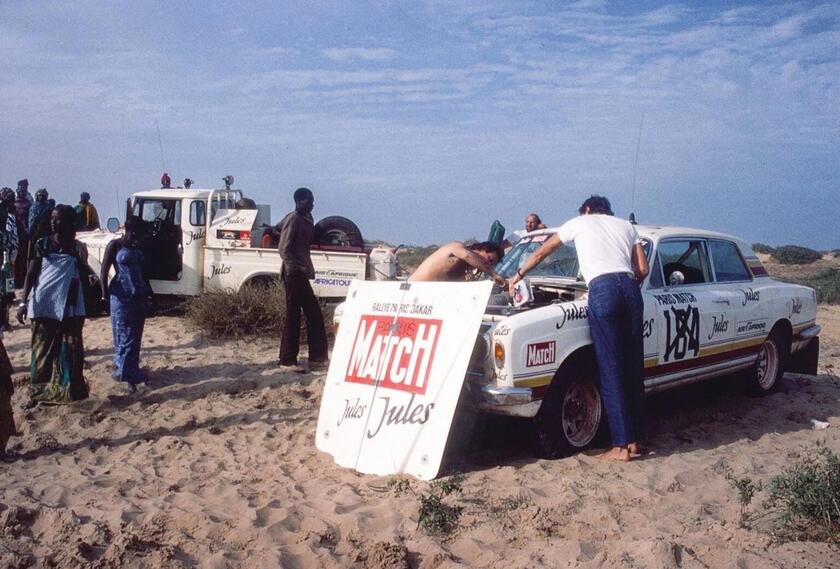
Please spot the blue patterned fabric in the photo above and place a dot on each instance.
(58, 293)
(129, 291)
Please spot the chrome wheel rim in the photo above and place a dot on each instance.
(581, 413)
(767, 365)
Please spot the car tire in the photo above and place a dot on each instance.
(338, 231)
(571, 416)
(765, 376)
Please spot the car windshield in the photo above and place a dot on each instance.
(562, 262)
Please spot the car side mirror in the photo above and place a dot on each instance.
(113, 224)
(676, 278)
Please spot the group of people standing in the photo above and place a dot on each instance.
(59, 290)
(58, 282)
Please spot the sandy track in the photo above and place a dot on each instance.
(214, 465)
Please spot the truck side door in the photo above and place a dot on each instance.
(162, 246)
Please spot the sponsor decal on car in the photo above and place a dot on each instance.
(750, 296)
(573, 312)
(751, 326)
(719, 326)
(541, 353)
(682, 326)
(670, 298)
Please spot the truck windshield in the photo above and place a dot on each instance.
(561, 263)
(158, 210)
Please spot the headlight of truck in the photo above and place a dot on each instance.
(499, 354)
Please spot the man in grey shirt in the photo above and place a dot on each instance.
(296, 232)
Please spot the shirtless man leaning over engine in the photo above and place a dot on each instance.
(452, 261)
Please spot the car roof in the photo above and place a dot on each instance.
(657, 232)
(195, 193)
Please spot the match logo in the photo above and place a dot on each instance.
(395, 352)
(541, 353)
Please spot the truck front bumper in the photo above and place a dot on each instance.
(511, 401)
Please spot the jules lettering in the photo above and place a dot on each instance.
(406, 414)
(193, 236)
(573, 312)
(352, 410)
(719, 326)
(750, 295)
(217, 270)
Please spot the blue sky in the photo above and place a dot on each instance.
(425, 121)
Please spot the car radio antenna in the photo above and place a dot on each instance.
(160, 144)
(635, 169)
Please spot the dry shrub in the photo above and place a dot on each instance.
(249, 311)
(255, 310)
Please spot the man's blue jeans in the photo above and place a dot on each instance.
(616, 312)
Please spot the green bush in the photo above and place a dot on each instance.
(413, 256)
(826, 283)
(762, 248)
(795, 255)
(807, 497)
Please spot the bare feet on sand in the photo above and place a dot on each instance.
(637, 449)
(616, 453)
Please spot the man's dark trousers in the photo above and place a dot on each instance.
(299, 295)
(615, 322)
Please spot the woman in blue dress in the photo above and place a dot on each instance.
(129, 292)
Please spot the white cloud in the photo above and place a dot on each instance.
(360, 53)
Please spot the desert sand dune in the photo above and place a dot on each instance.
(214, 465)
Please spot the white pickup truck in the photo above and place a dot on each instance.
(197, 240)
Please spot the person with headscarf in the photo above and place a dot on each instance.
(23, 204)
(129, 293)
(57, 277)
(87, 219)
(39, 219)
(23, 189)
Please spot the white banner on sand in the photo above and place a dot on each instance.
(396, 372)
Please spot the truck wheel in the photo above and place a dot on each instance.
(769, 367)
(571, 416)
(338, 231)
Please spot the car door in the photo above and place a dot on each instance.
(694, 318)
(751, 324)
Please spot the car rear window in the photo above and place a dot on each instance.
(729, 266)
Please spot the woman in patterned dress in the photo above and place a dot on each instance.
(129, 292)
(57, 277)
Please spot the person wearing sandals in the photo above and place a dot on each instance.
(129, 293)
(57, 277)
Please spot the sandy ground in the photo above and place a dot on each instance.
(214, 465)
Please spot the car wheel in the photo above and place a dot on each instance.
(571, 416)
(769, 367)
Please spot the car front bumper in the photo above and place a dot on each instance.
(511, 401)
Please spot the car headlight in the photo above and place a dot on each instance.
(499, 354)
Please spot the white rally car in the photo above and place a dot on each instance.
(710, 310)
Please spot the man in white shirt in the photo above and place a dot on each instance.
(613, 264)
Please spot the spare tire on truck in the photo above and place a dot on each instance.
(337, 231)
